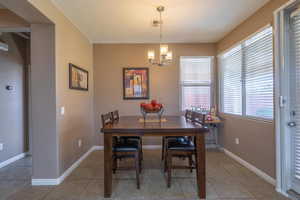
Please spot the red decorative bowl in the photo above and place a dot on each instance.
(153, 107)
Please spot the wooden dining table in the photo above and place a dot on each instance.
(169, 126)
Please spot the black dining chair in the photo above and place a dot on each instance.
(116, 117)
(182, 147)
(188, 116)
(124, 149)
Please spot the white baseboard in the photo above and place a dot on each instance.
(251, 167)
(60, 179)
(98, 148)
(13, 159)
(40, 182)
(144, 147)
(149, 147)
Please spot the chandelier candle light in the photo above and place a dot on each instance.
(165, 55)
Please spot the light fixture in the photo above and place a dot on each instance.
(165, 56)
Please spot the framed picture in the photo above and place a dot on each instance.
(78, 78)
(135, 83)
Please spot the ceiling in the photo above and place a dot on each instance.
(129, 21)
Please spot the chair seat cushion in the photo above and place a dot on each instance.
(126, 146)
(176, 137)
(180, 143)
(130, 138)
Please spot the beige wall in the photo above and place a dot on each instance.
(259, 19)
(109, 59)
(78, 122)
(257, 138)
(43, 103)
(9, 21)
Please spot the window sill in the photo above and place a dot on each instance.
(257, 119)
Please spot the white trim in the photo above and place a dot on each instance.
(60, 179)
(277, 111)
(284, 6)
(152, 147)
(282, 153)
(13, 159)
(95, 148)
(251, 167)
(39, 182)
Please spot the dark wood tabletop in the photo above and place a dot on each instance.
(171, 124)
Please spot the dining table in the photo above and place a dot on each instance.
(167, 126)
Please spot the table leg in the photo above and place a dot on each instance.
(107, 165)
(200, 158)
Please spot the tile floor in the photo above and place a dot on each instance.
(226, 180)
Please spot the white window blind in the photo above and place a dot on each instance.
(231, 81)
(295, 76)
(246, 82)
(259, 75)
(195, 81)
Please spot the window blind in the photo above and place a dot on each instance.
(246, 78)
(295, 30)
(195, 81)
(258, 61)
(231, 81)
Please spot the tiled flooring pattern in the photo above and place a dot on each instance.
(226, 180)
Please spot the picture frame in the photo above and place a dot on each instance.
(78, 78)
(135, 83)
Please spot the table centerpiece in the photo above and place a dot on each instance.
(152, 108)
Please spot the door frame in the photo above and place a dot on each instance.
(281, 87)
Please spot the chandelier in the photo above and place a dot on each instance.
(165, 57)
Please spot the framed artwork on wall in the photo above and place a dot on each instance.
(78, 78)
(135, 83)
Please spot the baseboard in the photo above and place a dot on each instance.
(144, 147)
(251, 167)
(98, 148)
(66, 173)
(13, 159)
(41, 182)
(149, 147)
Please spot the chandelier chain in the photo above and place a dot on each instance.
(160, 27)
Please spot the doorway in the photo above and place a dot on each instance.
(14, 96)
(287, 98)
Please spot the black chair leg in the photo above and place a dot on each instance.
(191, 162)
(169, 167)
(115, 164)
(163, 149)
(165, 155)
(137, 169)
(141, 148)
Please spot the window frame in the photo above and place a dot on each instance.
(211, 85)
(220, 77)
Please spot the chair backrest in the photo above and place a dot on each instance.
(189, 115)
(198, 118)
(106, 119)
(115, 115)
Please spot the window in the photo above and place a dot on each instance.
(246, 77)
(231, 79)
(195, 81)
